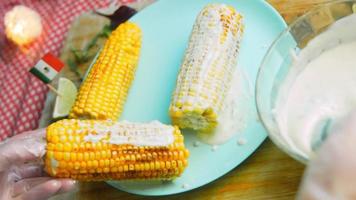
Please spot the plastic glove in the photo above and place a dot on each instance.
(332, 174)
(21, 170)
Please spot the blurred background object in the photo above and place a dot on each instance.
(22, 25)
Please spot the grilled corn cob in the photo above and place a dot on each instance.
(104, 91)
(205, 75)
(93, 150)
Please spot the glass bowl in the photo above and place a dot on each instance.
(277, 63)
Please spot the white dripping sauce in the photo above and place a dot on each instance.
(237, 105)
(54, 165)
(150, 134)
(320, 86)
(238, 110)
(205, 35)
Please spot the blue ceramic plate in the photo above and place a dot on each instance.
(166, 28)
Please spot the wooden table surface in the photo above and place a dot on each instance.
(267, 174)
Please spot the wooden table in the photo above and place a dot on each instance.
(267, 174)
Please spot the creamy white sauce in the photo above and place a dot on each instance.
(208, 63)
(237, 111)
(185, 186)
(241, 141)
(209, 37)
(196, 144)
(214, 147)
(320, 87)
(138, 134)
(94, 137)
(54, 165)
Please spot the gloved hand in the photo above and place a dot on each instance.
(21, 170)
(331, 175)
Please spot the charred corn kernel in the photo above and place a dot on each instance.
(110, 150)
(103, 93)
(80, 156)
(95, 163)
(73, 156)
(206, 72)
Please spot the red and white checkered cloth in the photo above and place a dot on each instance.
(22, 95)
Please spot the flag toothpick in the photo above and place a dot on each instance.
(47, 69)
(54, 90)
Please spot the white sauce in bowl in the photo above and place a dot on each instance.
(321, 86)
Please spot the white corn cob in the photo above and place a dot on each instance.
(205, 75)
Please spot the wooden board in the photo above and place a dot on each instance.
(291, 9)
(268, 174)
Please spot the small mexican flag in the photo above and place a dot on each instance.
(47, 68)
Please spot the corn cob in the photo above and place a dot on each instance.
(94, 150)
(104, 91)
(206, 73)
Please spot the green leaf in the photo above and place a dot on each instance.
(106, 31)
(74, 68)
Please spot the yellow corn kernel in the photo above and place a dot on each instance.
(98, 97)
(93, 162)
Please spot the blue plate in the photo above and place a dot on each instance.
(166, 28)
